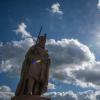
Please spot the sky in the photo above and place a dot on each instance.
(73, 42)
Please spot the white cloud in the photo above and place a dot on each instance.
(62, 95)
(51, 86)
(71, 51)
(26, 43)
(72, 61)
(7, 64)
(22, 30)
(55, 9)
(11, 58)
(98, 4)
(12, 53)
(5, 88)
(75, 58)
(70, 95)
(28, 39)
(5, 93)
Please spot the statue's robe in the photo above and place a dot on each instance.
(36, 65)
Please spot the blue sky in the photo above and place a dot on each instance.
(78, 18)
(72, 28)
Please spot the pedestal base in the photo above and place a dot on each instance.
(29, 97)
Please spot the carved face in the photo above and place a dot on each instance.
(42, 41)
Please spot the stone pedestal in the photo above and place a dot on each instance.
(29, 97)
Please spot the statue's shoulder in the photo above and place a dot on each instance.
(30, 50)
(32, 47)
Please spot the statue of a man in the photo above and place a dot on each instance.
(35, 70)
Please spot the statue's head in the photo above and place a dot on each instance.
(42, 40)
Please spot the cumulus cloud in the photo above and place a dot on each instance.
(12, 53)
(70, 95)
(26, 43)
(74, 58)
(5, 93)
(28, 39)
(55, 11)
(22, 29)
(51, 86)
(71, 51)
(55, 8)
(62, 95)
(76, 53)
(72, 61)
(5, 88)
(11, 58)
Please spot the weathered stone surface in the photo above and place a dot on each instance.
(28, 97)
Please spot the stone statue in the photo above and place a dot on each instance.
(35, 70)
